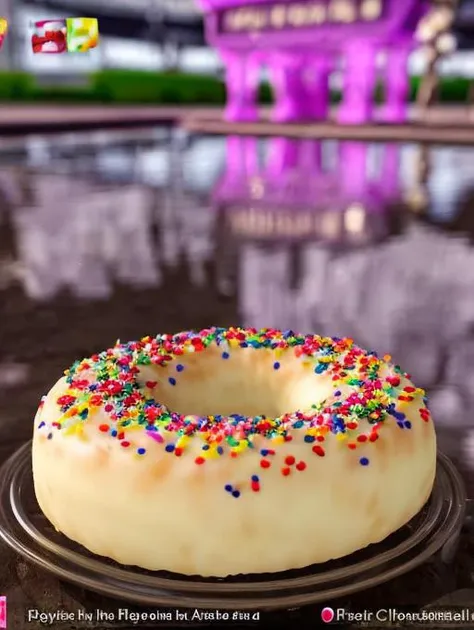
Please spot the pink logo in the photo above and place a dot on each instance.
(3, 611)
(327, 615)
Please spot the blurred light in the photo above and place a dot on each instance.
(446, 43)
(354, 219)
(257, 188)
(13, 374)
(331, 224)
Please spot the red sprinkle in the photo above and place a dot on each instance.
(318, 450)
(199, 460)
(151, 384)
(362, 438)
(104, 428)
(352, 446)
(320, 438)
(285, 471)
(265, 463)
(300, 466)
(125, 443)
(255, 486)
(290, 460)
(178, 451)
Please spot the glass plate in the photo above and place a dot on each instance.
(27, 531)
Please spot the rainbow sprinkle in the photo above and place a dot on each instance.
(354, 416)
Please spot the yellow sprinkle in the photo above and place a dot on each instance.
(278, 439)
(183, 441)
(211, 453)
(341, 436)
(80, 432)
(233, 343)
(239, 448)
(387, 357)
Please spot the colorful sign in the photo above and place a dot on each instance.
(294, 15)
(65, 35)
(3, 30)
(82, 34)
(3, 609)
(49, 37)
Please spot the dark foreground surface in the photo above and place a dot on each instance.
(111, 236)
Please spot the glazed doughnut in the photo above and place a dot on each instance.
(232, 451)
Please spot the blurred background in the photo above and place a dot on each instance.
(118, 233)
(154, 51)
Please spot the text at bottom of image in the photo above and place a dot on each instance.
(383, 617)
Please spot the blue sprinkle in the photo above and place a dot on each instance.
(50, 436)
(298, 424)
(255, 478)
(179, 367)
(225, 355)
(205, 447)
(244, 344)
(364, 461)
(401, 424)
(41, 425)
(113, 433)
(236, 494)
(276, 365)
(141, 451)
(228, 488)
(169, 448)
(93, 387)
(264, 452)
(338, 393)
(321, 367)
(407, 424)
(220, 450)
(172, 380)
(151, 427)
(309, 438)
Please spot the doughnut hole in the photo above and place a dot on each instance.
(248, 382)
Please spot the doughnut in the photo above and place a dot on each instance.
(232, 451)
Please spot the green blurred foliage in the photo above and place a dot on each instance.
(167, 88)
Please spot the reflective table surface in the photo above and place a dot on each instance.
(111, 236)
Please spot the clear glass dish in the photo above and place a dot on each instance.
(22, 526)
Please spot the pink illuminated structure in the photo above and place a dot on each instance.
(303, 190)
(301, 43)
